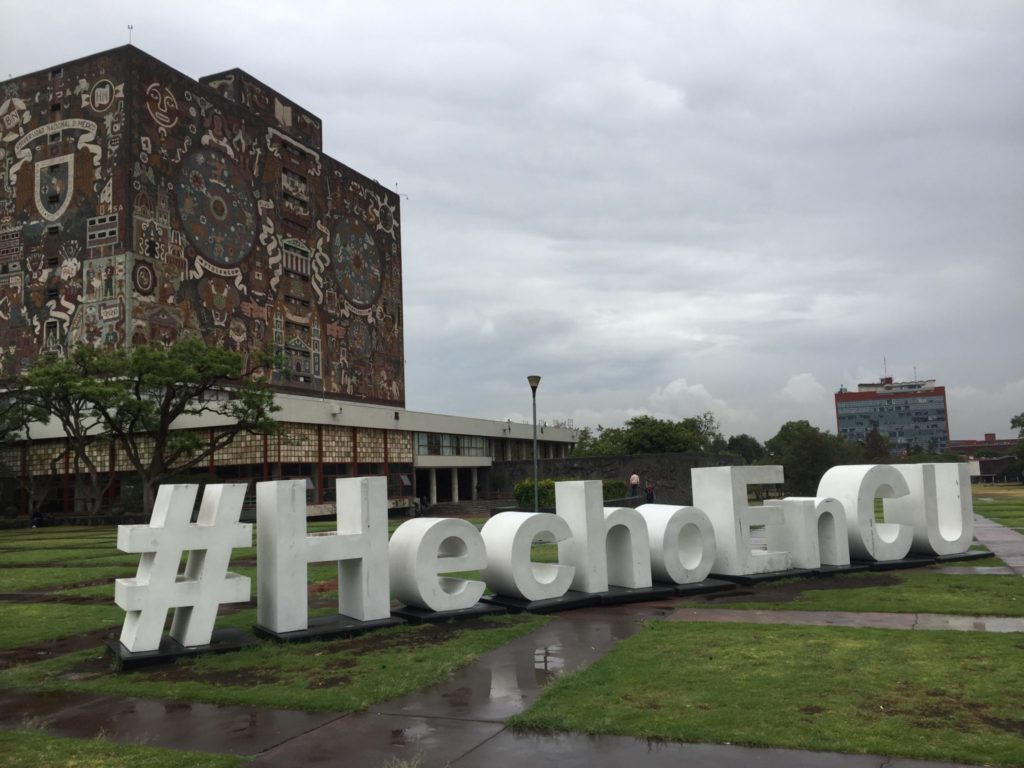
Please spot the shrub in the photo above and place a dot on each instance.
(545, 493)
(523, 492)
(614, 489)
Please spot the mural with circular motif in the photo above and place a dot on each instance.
(216, 207)
(358, 262)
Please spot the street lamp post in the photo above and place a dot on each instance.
(534, 382)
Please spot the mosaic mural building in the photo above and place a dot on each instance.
(140, 206)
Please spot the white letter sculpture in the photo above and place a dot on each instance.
(206, 584)
(938, 508)
(608, 546)
(284, 551)
(856, 488)
(423, 548)
(813, 531)
(682, 542)
(722, 493)
(508, 538)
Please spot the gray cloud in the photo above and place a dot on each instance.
(661, 208)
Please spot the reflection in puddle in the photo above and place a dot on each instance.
(417, 732)
(549, 661)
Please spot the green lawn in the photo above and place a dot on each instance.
(46, 579)
(338, 675)
(914, 591)
(32, 750)
(25, 623)
(929, 695)
(1003, 504)
(937, 695)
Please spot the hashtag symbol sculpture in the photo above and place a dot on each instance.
(205, 584)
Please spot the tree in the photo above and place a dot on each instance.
(746, 446)
(65, 389)
(134, 397)
(152, 387)
(876, 445)
(1017, 422)
(16, 419)
(647, 434)
(806, 453)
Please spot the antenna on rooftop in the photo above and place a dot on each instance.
(130, 28)
(400, 194)
(885, 367)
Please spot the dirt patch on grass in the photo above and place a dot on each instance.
(49, 597)
(937, 709)
(423, 635)
(47, 649)
(787, 591)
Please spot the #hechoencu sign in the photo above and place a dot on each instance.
(927, 510)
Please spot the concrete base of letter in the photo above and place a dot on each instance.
(221, 641)
(327, 627)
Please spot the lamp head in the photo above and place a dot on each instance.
(534, 382)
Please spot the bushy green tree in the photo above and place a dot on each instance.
(647, 434)
(135, 396)
(876, 445)
(806, 453)
(154, 386)
(746, 446)
(66, 389)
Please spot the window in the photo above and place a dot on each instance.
(293, 204)
(102, 230)
(53, 229)
(296, 259)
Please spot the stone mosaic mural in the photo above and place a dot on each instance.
(139, 206)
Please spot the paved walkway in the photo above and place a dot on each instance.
(852, 619)
(1005, 543)
(460, 722)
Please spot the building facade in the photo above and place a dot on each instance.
(911, 414)
(141, 206)
(991, 446)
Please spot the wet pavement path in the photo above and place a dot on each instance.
(460, 722)
(850, 619)
(1005, 543)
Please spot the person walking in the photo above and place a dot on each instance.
(634, 484)
(649, 489)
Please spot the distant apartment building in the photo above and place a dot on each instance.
(911, 414)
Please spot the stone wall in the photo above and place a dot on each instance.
(670, 472)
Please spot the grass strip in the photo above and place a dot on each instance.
(26, 623)
(31, 749)
(913, 592)
(928, 695)
(1001, 504)
(42, 578)
(340, 675)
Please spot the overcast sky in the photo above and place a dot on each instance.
(661, 208)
